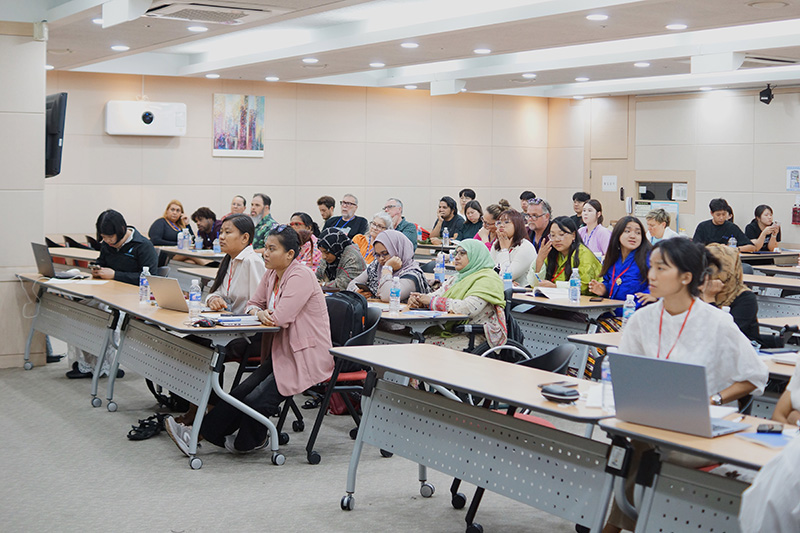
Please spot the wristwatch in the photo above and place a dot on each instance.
(716, 399)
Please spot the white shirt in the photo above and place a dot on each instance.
(520, 258)
(247, 269)
(794, 388)
(710, 338)
(772, 503)
(668, 234)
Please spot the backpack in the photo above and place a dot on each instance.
(346, 311)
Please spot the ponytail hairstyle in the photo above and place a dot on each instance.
(567, 225)
(244, 224)
(307, 221)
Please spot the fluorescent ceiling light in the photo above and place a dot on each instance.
(310, 60)
(529, 76)
(272, 78)
(197, 29)
(581, 78)
(642, 64)
(676, 27)
(212, 76)
(482, 51)
(49, 67)
(411, 87)
(120, 48)
(409, 45)
(597, 17)
(97, 21)
(377, 64)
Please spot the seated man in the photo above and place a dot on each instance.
(464, 197)
(720, 229)
(578, 199)
(207, 226)
(326, 206)
(394, 208)
(348, 223)
(524, 198)
(259, 212)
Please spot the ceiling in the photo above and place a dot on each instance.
(552, 39)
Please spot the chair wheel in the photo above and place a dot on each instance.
(278, 458)
(112, 406)
(298, 426)
(283, 439)
(426, 490)
(386, 453)
(314, 458)
(354, 433)
(28, 365)
(195, 463)
(348, 502)
(474, 528)
(458, 500)
(96, 402)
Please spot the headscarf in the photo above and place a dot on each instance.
(478, 278)
(398, 245)
(334, 241)
(730, 273)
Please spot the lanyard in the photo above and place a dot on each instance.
(271, 305)
(617, 280)
(661, 322)
(560, 271)
(172, 224)
(230, 277)
(589, 238)
(345, 223)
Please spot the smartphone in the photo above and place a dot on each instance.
(596, 299)
(559, 383)
(363, 287)
(93, 265)
(769, 428)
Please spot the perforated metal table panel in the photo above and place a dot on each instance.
(543, 333)
(72, 322)
(773, 306)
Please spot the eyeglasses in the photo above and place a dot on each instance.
(387, 207)
(536, 217)
(376, 226)
(296, 224)
(346, 203)
(461, 252)
(502, 223)
(560, 237)
(384, 255)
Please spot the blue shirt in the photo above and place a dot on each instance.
(631, 282)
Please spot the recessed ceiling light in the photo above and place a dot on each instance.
(767, 5)
(49, 67)
(597, 17)
(706, 88)
(120, 48)
(212, 76)
(310, 60)
(577, 97)
(482, 51)
(411, 87)
(581, 78)
(641, 64)
(272, 78)
(197, 29)
(529, 76)
(464, 90)
(97, 21)
(676, 27)
(409, 45)
(377, 64)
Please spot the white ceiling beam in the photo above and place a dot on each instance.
(70, 8)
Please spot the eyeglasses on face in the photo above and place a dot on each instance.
(560, 236)
(461, 252)
(387, 207)
(383, 255)
(346, 203)
(502, 222)
(376, 226)
(535, 217)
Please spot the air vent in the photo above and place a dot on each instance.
(762, 61)
(212, 14)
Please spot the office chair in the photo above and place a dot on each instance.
(72, 243)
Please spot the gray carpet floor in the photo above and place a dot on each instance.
(69, 467)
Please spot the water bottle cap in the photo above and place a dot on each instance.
(145, 270)
(195, 281)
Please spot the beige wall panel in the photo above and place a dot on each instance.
(560, 200)
(565, 168)
(23, 209)
(401, 165)
(415, 209)
(179, 160)
(277, 167)
(666, 157)
(102, 159)
(94, 199)
(51, 203)
(398, 116)
(725, 168)
(461, 119)
(280, 120)
(240, 86)
(609, 127)
(331, 113)
(460, 166)
(88, 94)
(14, 327)
(324, 163)
(778, 122)
(17, 55)
(724, 119)
(663, 122)
(196, 93)
(283, 199)
(566, 122)
(769, 169)
(519, 166)
(20, 157)
(519, 121)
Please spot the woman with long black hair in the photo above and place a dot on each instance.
(560, 255)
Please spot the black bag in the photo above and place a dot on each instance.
(170, 401)
(347, 311)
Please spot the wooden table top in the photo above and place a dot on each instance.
(781, 270)
(481, 376)
(779, 322)
(748, 256)
(779, 370)
(559, 303)
(75, 253)
(599, 340)
(726, 449)
(201, 254)
(204, 273)
(429, 246)
(774, 282)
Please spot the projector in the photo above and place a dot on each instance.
(157, 119)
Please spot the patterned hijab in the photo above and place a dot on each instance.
(730, 273)
(397, 245)
(334, 241)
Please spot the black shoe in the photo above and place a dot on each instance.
(77, 374)
(54, 358)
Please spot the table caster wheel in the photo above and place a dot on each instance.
(278, 458)
(112, 406)
(298, 426)
(314, 458)
(283, 439)
(28, 365)
(474, 528)
(348, 502)
(96, 402)
(426, 490)
(354, 433)
(195, 463)
(459, 500)
(386, 453)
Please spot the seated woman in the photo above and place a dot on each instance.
(164, 231)
(293, 359)
(341, 261)
(447, 217)
(309, 252)
(474, 222)
(562, 253)
(681, 327)
(476, 291)
(594, 236)
(488, 233)
(512, 246)
(787, 411)
(394, 255)
(763, 231)
(625, 265)
(380, 222)
(724, 288)
(658, 226)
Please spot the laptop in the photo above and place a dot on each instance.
(665, 394)
(44, 262)
(168, 293)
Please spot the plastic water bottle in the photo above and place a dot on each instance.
(217, 249)
(508, 281)
(732, 242)
(198, 242)
(605, 379)
(181, 242)
(628, 309)
(144, 287)
(194, 300)
(575, 286)
(419, 234)
(394, 297)
(446, 237)
(438, 270)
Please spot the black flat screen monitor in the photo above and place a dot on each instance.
(55, 113)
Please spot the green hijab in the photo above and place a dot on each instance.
(478, 278)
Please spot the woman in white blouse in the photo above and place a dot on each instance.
(512, 246)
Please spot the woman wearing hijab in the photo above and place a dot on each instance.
(341, 259)
(724, 288)
(476, 291)
(394, 256)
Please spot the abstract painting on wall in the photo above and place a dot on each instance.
(238, 125)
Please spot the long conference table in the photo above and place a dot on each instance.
(153, 342)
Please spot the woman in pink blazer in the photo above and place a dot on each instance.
(292, 360)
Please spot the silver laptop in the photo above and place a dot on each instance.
(44, 263)
(666, 395)
(168, 293)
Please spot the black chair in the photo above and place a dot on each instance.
(52, 244)
(747, 268)
(162, 271)
(556, 360)
(345, 382)
(93, 243)
(72, 243)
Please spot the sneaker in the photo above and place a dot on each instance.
(179, 433)
(75, 373)
(229, 440)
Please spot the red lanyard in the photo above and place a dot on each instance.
(661, 322)
(230, 277)
(560, 271)
(616, 280)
